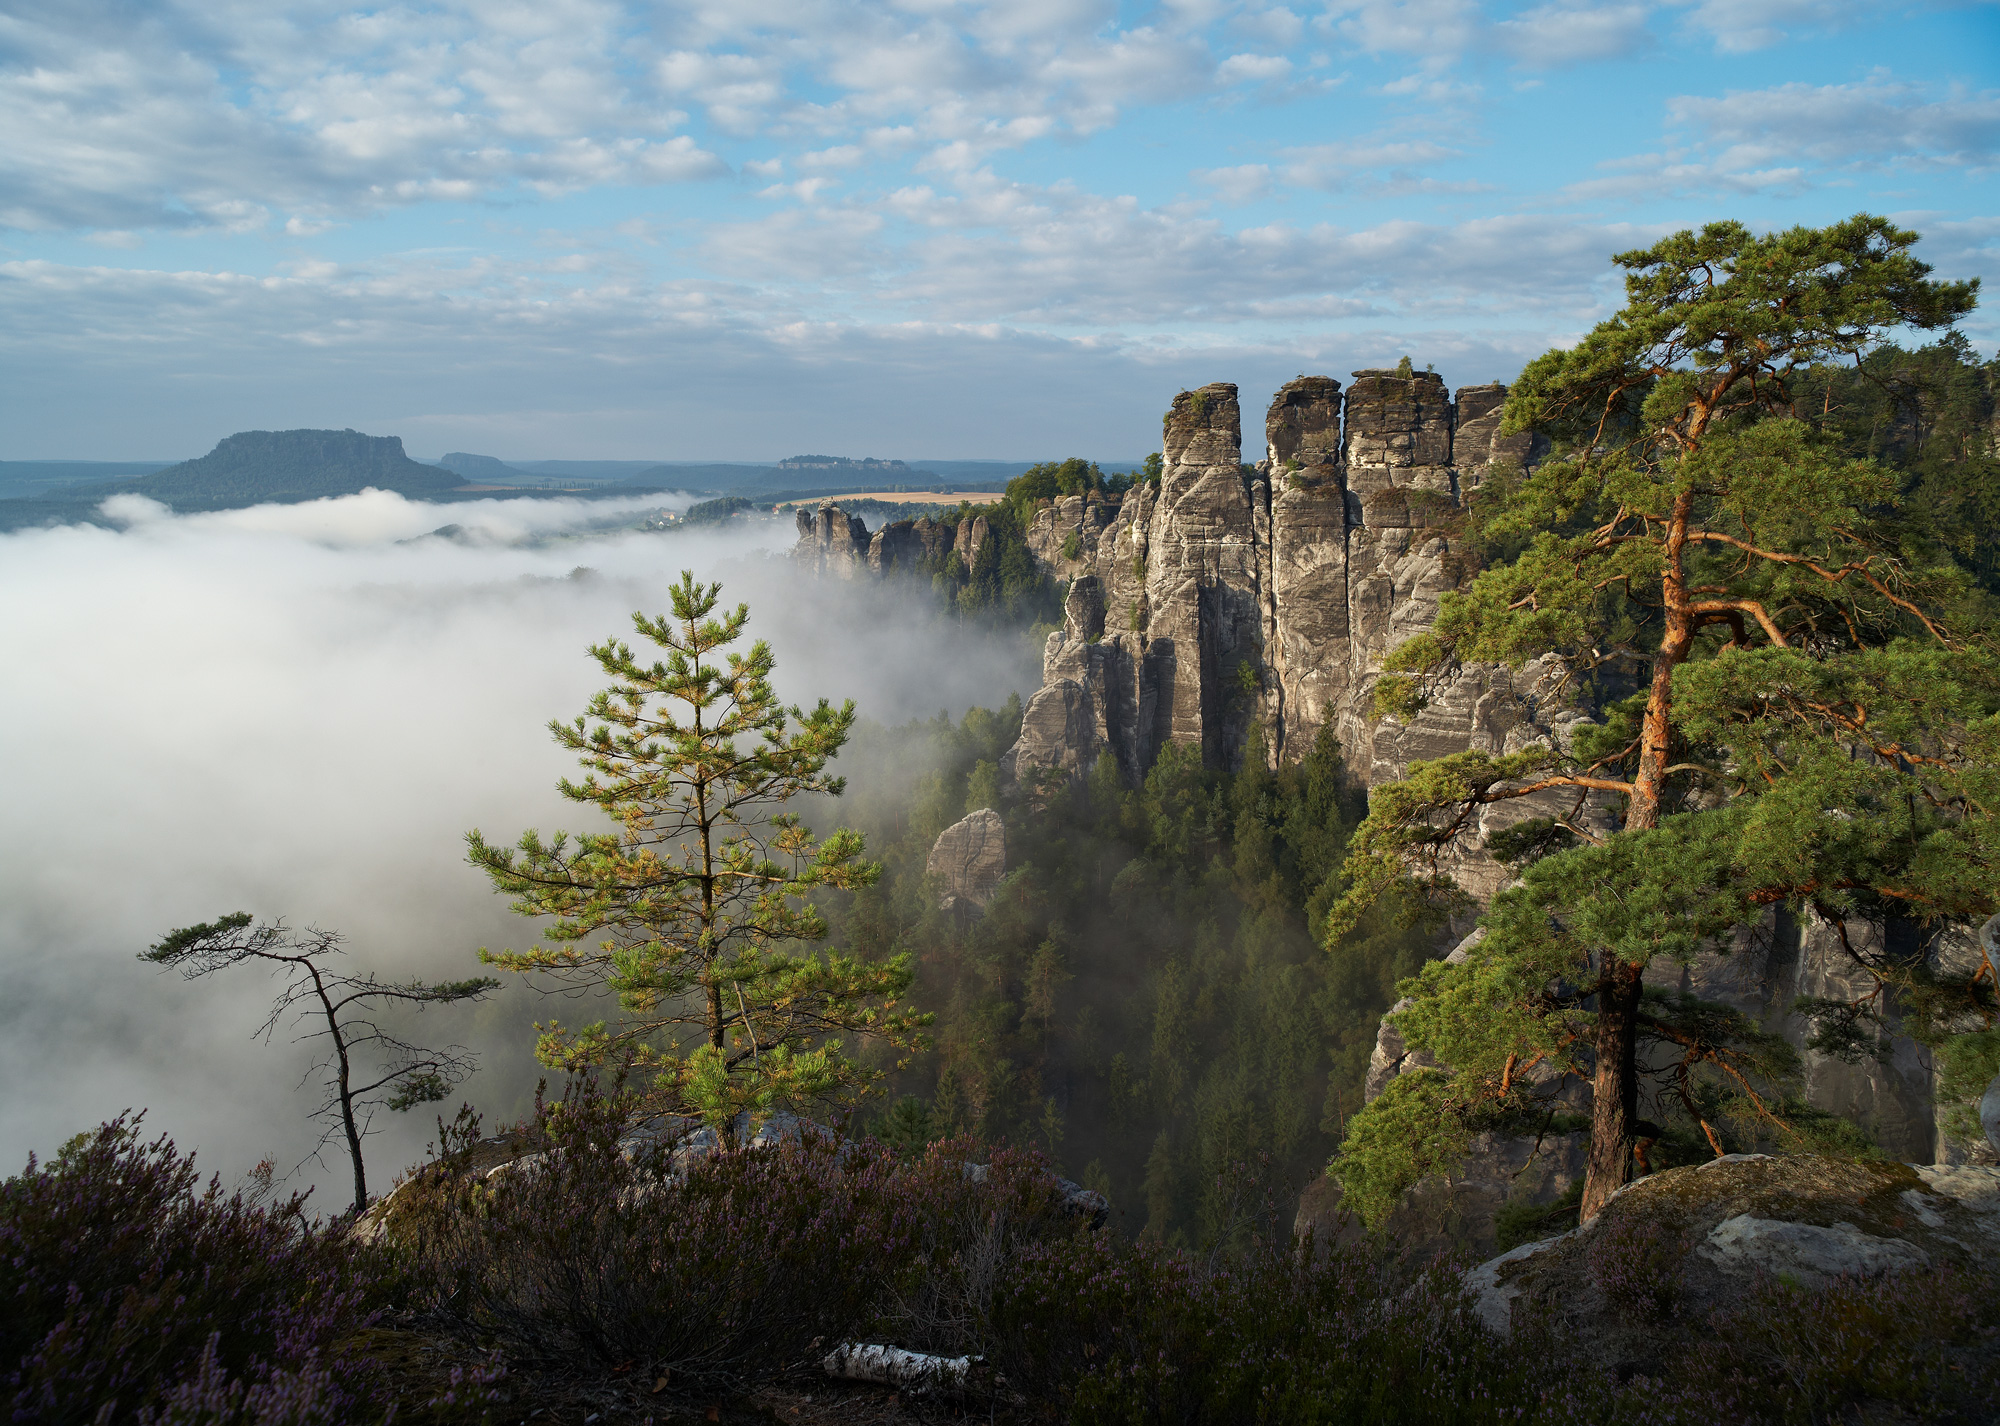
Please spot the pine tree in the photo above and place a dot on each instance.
(1798, 705)
(697, 912)
(340, 1010)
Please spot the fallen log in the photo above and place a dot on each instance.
(896, 1366)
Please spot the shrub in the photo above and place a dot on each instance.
(1906, 1347)
(712, 1270)
(132, 1291)
(1145, 1333)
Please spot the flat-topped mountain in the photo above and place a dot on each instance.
(287, 466)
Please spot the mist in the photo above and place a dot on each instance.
(298, 711)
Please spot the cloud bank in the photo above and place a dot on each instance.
(299, 710)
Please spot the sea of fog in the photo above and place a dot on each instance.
(298, 711)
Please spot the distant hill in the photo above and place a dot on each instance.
(39, 477)
(285, 466)
(867, 463)
(480, 468)
(697, 475)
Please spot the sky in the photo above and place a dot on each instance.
(298, 711)
(743, 229)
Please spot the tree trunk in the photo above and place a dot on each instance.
(1614, 1105)
(354, 1149)
(1615, 1084)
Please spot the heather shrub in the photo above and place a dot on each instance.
(1280, 1333)
(711, 1270)
(1908, 1347)
(131, 1291)
(971, 1226)
(1637, 1264)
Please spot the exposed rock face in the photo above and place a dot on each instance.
(969, 858)
(1732, 1220)
(1065, 534)
(832, 542)
(1265, 598)
(1227, 600)
(908, 545)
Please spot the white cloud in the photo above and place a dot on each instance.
(1253, 68)
(1437, 31)
(1332, 166)
(1243, 183)
(1877, 121)
(328, 712)
(1739, 29)
(1787, 139)
(226, 117)
(1551, 35)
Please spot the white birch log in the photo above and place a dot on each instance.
(895, 1366)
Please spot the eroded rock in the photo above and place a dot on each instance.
(1699, 1238)
(969, 858)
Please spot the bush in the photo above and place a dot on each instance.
(132, 1292)
(1282, 1334)
(712, 1270)
(1907, 1347)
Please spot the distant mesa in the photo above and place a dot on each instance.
(286, 466)
(474, 467)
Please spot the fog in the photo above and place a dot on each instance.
(298, 711)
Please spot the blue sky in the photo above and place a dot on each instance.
(738, 229)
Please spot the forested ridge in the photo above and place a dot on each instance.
(1148, 999)
(1145, 998)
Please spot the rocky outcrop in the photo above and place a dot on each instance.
(832, 542)
(1263, 599)
(1679, 1245)
(909, 546)
(1231, 606)
(968, 859)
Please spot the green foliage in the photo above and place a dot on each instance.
(1052, 480)
(1004, 584)
(1818, 725)
(703, 894)
(1519, 1220)
(1155, 465)
(719, 511)
(1404, 369)
(1148, 967)
(1967, 1063)
(1072, 546)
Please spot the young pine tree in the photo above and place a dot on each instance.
(1801, 703)
(696, 912)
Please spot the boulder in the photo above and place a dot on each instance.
(969, 858)
(1689, 1240)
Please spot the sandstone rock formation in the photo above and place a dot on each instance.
(1708, 1233)
(969, 858)
(1230, 600)
(1264, 598)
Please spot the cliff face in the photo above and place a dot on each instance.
(1231, 599)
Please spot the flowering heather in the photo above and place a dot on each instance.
(131, 1291)
(710, 1270)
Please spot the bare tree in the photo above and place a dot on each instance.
(405, 1075)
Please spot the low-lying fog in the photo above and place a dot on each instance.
(298, 711)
